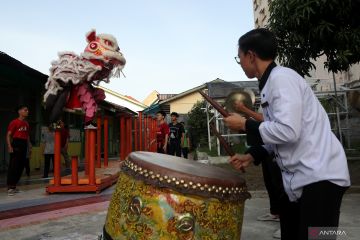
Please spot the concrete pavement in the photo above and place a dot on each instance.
(85, 222)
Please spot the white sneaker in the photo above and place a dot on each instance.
(91, 126)
(277, 234)
(269, 217)
(18, 190)
(11, 192)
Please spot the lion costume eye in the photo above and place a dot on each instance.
(93, 46)
(107, 42)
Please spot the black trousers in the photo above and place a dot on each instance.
(273, 183)
(319, 206)
(174, 148)
(160, 148)
(185, 152)
(27, 166)
(16, 162)
(48, 158)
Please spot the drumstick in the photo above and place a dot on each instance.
(217, 106)
(223, 143)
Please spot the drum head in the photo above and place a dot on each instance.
(186, 176)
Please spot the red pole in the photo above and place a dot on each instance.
(136, 134)
(86, 151)
(106, 141)
(151, 134)
(57, 158)
(145, 134)
(74, 170)
(140, 132)
(149, 124)
(122, 138)
(130, 134)
(154, 135)
(98, 142)
(92, 137)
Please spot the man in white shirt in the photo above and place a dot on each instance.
(296, 129)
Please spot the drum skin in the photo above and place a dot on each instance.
(142, 210)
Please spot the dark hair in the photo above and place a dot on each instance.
(21, 106)
(174, 114)
(163, 113)
(261, 41)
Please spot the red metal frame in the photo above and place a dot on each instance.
(149, 123)
(154, 134)
(92, 137)
(130, 135)
(86, 152)
(98, 142)
(74, 171)
(136, 135)
(146, 144)
(143, 127)
(57, 158)
(140, 131)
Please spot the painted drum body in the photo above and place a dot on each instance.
(164, 197)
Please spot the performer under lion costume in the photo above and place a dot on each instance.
(72, 77)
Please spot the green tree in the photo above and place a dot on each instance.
(197, 124)
(307, 29)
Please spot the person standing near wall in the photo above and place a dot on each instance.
(176, 137)
(162, 133)
(186, 142)
(49, 138)
(18, 141)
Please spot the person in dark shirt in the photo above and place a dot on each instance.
(176, 137)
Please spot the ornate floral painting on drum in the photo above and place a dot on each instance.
(164, 197)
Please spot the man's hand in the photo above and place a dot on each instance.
(241, 161)
(235, 122)
(165, 148)
(239, 106)
(10, 149)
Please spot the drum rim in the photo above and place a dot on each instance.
(161, 176)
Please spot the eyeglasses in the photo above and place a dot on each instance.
(237, 59)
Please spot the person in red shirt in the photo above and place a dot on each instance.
(18, 141)
(162, 133)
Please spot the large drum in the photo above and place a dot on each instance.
(164, 197)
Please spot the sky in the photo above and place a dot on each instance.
(170, 45)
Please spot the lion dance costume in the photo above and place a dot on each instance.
(72, 77)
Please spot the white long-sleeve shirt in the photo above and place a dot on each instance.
(297, 128)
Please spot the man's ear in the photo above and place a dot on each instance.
(251, 56)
